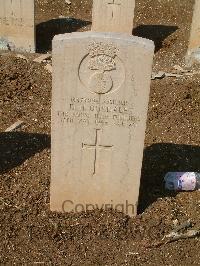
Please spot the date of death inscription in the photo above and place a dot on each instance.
(88, 111)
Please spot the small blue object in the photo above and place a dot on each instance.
(4, 44)
(182, 181)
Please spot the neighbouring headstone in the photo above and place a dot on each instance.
(101, 84)
(113, 16)
(17, 25)
(193, 54)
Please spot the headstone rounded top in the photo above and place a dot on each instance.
(124, 37)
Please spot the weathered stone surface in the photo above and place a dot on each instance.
(100, 98)
(113, 16)
(17, 29)
(193, 54)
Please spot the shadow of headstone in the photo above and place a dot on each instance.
(16, 147)
(157, 161)
(45, 31)
(156, 33)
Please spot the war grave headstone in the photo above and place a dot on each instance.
(113, 16)
(101, 84)
(193, 53)
(17, 25)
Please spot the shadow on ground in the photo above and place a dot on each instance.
(45, 31)
(160, 159)
(156, 33)
(16, 147)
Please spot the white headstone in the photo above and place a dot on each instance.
(193, 54)
(101, 84)
(113, 16)
(17, 25)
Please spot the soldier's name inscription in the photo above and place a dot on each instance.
(89, 111)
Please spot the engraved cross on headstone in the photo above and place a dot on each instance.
(97, 145)
(113, 4)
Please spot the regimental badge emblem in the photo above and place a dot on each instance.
(104, 69)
